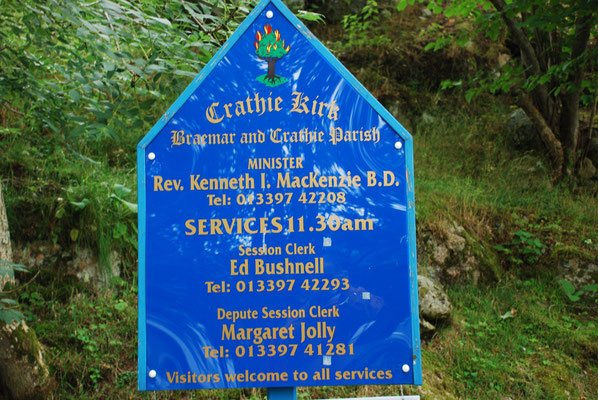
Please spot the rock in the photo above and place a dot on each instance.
(38, 255)
(426, 12)
(587, 170)
(433, 302)
(581, 273)
(453, 254)
(86, 266)
(521, 131)
(23, 372)
(441, 254)
(503, 59)
(84, 263)
(425, 326)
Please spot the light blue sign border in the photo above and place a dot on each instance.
(197, 81)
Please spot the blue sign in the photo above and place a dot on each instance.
(276, 224)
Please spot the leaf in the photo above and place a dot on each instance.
(121, 190)
(131, 206)
(108, 66)
(119, 231)
(567, 286)
(7, 265)
(8, 316)
(163, 21)
(74, 234)
(80, 205)
(310, 16)
(569, 290)
(8, 268)
(402, 5)
(591, 288)
(75, 95)
(121, 306)
(469, 95)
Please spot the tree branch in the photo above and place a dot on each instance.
(5, 104)
(112, 28)
(555, 150)
(519, 36)
(529, 55)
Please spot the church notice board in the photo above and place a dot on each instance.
(276, 224)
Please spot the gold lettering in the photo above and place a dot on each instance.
(299, 103)
(211, 114)
(191, 228)
(158, 183)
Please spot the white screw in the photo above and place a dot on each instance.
(406, 368)
(365, 295)
(398, 145)
(327, 360)
(269, 14)
(151, 156)
(152, 373)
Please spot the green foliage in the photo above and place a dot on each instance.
(465, 166)
(310, 16)
(98, 74)
(552, 68)
(550, 25)
(362, 28)
(526, 247)
(9, 312)
(575, 295)
(81, 83)
(92, 335)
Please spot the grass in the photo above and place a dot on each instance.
(518, 340)
(520, 337)
(465, 163)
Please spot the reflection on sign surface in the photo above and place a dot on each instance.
(276, 225)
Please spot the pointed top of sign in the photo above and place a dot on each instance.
(269, 10)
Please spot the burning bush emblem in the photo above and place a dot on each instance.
(269, 47)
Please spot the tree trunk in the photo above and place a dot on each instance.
(553, 145)
(569, 124)
(5, 247)
(271, 65)
(23, 372)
